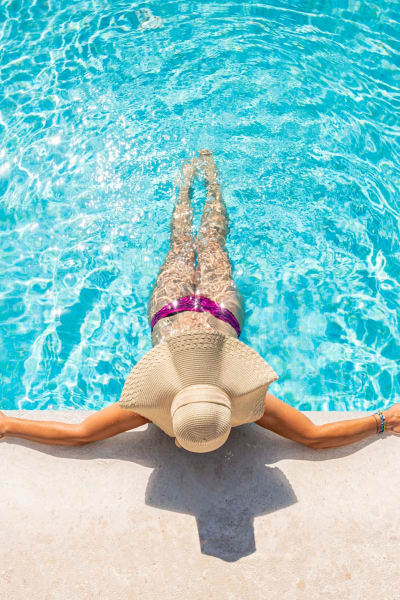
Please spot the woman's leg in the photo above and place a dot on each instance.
(176, 277)
(287, 421)
(214, 277)
(107, 422)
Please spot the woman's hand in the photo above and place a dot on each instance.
(392, 416)
(3, 418)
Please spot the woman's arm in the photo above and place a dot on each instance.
(105, 423)
(289, 422)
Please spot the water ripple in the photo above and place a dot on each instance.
(99, 106)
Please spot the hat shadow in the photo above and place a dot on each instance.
(224, 490)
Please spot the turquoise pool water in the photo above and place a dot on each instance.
(101, 101)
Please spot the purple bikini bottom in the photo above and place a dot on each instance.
(198, 304)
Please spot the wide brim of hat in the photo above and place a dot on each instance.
(198, 357)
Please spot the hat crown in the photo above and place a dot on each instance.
(191, 394)
(201, 417)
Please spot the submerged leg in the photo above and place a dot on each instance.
(214, 278)
(176, 277)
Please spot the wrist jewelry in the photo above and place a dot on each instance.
(377, 421)
(380, 428)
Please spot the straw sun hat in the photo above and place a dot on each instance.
(195, 386)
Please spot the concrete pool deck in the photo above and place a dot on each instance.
(134, 516)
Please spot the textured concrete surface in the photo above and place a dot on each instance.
(262, 517)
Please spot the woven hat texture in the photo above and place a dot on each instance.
(199, 358)
(201, 417)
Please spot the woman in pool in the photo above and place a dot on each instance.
(199, 380)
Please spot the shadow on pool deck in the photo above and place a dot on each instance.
(224, 490)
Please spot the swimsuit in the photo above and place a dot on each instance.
(197, 304)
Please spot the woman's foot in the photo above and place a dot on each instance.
(209, 168)
(182, 217)
(214, 221)
(188, 173)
